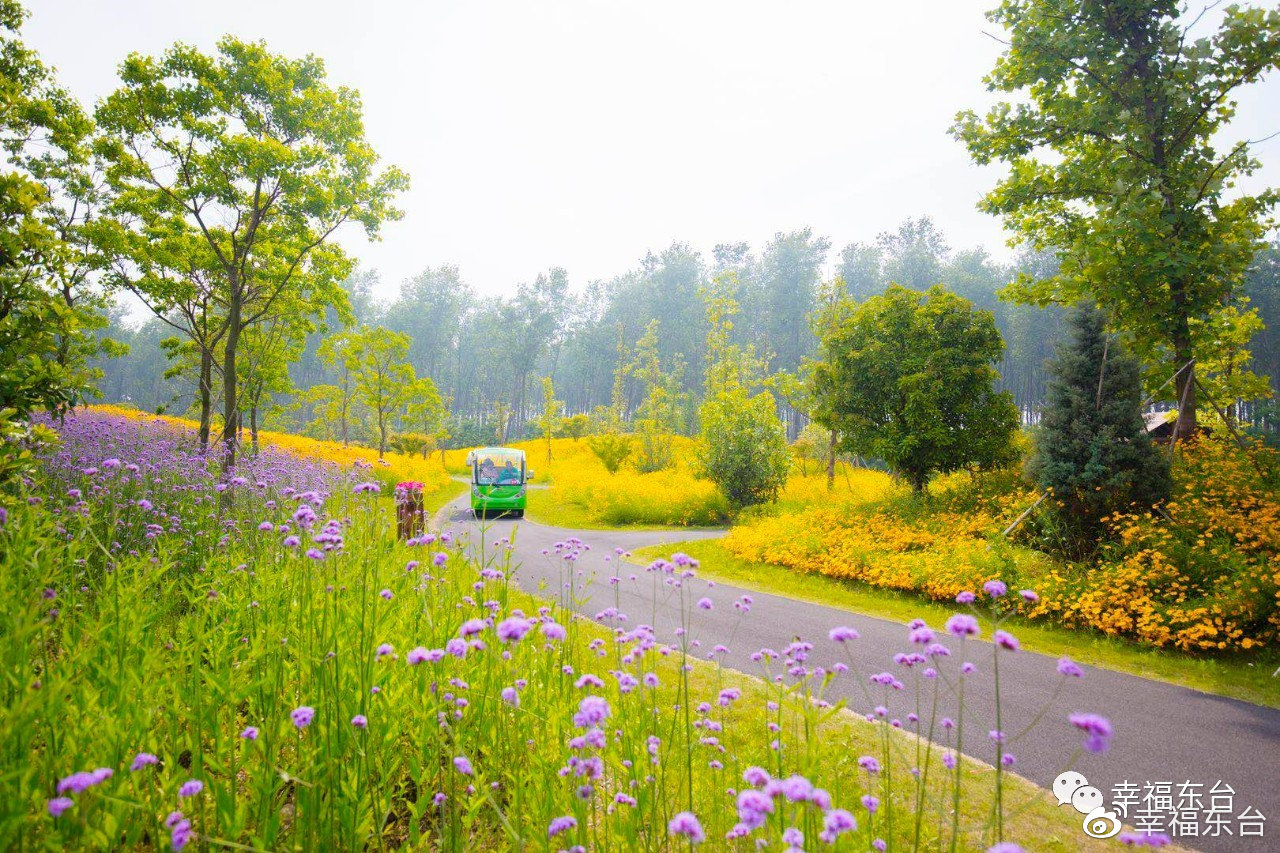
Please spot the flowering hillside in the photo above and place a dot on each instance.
(256, 661)
(393, 468)
(582, 493)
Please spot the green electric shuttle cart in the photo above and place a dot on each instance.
(498, 481)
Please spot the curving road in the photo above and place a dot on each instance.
(1163, 733)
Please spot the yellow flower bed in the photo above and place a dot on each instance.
(937, 552)
(1205, 576)
(395, 467)
(852, 485)
(675, 496)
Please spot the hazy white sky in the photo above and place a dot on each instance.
(583, 134)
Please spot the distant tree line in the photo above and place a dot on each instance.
(483, 351)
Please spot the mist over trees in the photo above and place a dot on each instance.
(483, 352)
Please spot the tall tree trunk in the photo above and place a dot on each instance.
(206, 397)
(346, 403)
(253, 427)
(516, 418)
(831, 462)
(1185, 383)
(230, 411)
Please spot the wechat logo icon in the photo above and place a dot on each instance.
(1071, 788)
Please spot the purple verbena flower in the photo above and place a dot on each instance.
(513, 629)
(843, 634)
(1097, 731)
(1070, 668)
(561, 824)
(687, 825)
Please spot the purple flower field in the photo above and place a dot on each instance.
(257, 661)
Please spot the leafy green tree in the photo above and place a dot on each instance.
(171, 276)
(611, 448)
(790, 271)
(528, 325)
(429, 310)
(338, 403)
(250, 161)
(1091, 448)
(46, 301)
(607, 441)
(861, 268)
(1262, 288)
(333, 412)
(908, 377)
(428, 412)
(743, 443)
(1110, 143)
(660, 413)
(501, 420)
(915, 254)
(550, 419)
(376, 359)
(268, 350)
(812, 445)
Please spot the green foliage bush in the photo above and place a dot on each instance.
(411, 443)
(744, 447)
(611, 448)
(574, 426)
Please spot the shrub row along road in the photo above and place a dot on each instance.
(1163, 733)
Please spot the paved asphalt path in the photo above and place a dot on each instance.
(1163, 733)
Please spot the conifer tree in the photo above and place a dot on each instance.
(1092, 448)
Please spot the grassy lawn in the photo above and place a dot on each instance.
(549, 506)
(1247, 678)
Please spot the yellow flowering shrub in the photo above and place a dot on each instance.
(394, 468)
(936, 546)
(1205, 575)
